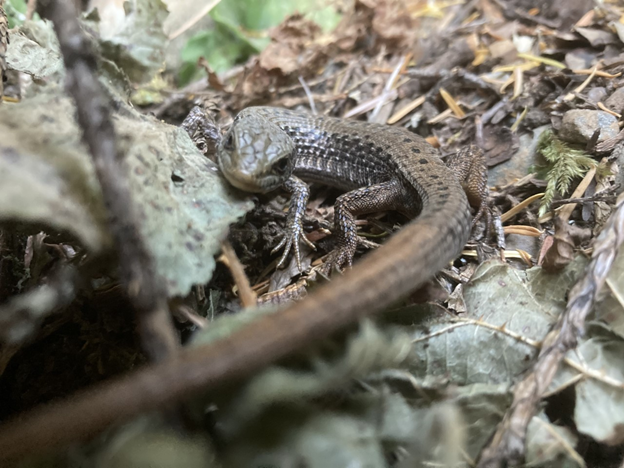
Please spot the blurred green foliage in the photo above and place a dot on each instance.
(16, 12)
(240, 30)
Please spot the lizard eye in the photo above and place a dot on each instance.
(281, 167)
(228, 144)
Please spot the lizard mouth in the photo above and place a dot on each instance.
(240, 179)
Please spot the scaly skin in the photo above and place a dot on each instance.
(266, 149)
(386, 168)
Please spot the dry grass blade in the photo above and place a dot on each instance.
(518, 82)
(390, 85)
(544, 60)
(440, 117)
(419, 101)
(567, 210)
(601, 74)
(520, 206)
(526, 66)
(505, 253)
(582, 86)
(606, 109)
(516, 124)
(370, 104)
(452, 103)
(507, 83)
(182, 25)
(555, 435)
(523, 230)
(308, 94)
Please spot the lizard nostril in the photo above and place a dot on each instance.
(228, 144)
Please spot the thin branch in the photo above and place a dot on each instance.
(145, 289)
(462, 322)
(31, 7)
(247, 295)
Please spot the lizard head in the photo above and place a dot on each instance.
(256, 155)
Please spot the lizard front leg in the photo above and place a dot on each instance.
(299, 194)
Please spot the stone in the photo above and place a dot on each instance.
(579, 125)
(597, 94)
(615, 102)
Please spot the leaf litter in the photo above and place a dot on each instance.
(494, 72)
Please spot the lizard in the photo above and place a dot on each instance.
(384, 168)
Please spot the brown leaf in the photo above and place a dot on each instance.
(567, 237)
(393, 24)
(292, 47)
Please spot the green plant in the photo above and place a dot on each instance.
(563, 163)
(240, 30)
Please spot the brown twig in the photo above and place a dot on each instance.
(31, 7)
(247, 295)
(507, 447)
(607, 197)
(144, 287)
(4, 42)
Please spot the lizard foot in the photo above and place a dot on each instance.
(338, 260)
(291, 240)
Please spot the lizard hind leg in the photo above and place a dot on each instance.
(470, 168)
(379, 197)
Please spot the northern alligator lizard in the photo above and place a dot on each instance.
(389, 168)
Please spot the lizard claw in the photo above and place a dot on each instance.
(339, 259)
(292, 240)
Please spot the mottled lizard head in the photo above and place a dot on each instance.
(256, 155)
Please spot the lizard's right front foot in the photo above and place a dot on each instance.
(338, 259)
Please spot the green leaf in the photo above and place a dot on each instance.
(34, 49)
(599, 405)
(550, 446)
(221, 47)
(475, 348)
(610, 308)
(16, 12)
(138, 44)
(240, 31)
(320, 440)
(482, 407)
(148, 443)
